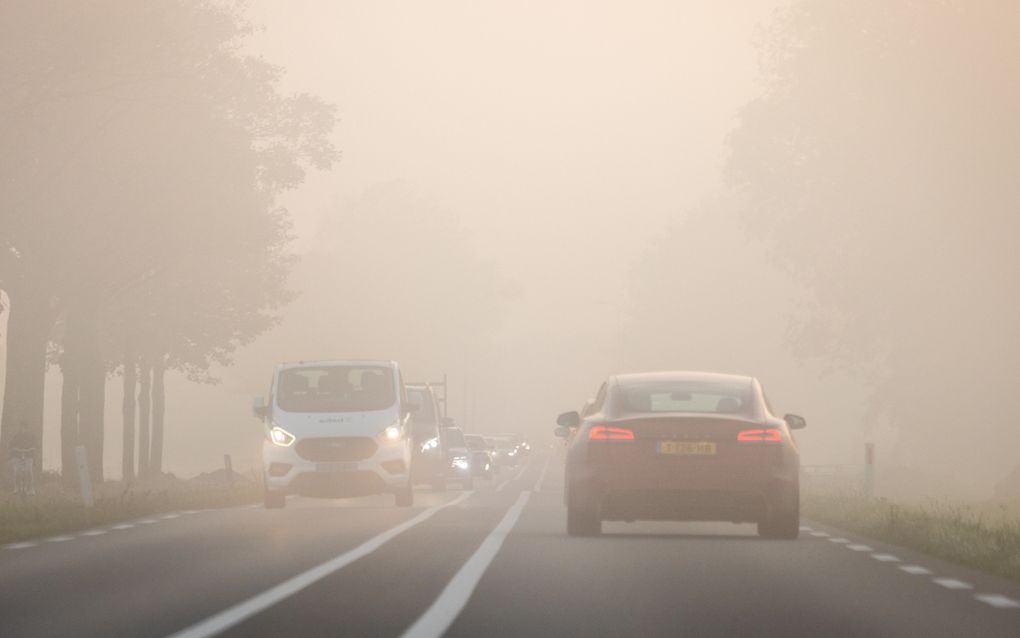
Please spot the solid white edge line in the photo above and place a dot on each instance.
(998, 601)
(860, 548)
(248, 608)
(885, 558)
(541, 477)
(24, 545)
(454, 597)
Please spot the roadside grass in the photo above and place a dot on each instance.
(983, 535)
(56, 510)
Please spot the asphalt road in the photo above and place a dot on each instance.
(494, 562)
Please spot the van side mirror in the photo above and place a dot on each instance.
(259, 409)
(562, 432)
(569, 419)
(795, 422)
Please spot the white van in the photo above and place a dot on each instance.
(336, 428)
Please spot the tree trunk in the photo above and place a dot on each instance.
(144, 393)
(29, 321)
(69, 395)
(92, 403)
(158, 412)
(128, 411)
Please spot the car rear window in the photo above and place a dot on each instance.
(687, 396)
(335, 389)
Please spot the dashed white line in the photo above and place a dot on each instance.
(839, 540)
(916, 570)
(241, 611)
(93, 532)
(20, 545)
(190, 512)
(885, 558)
(59, 539)
(147, 521)
(805, 528)
(441, 614)
(123, 526)
(952, 583)
(860, 548)
(500, 487)
(820, 534)
(998, 601)
(167, 517)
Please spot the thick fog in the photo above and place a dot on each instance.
(530, 196)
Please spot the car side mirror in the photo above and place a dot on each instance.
(562, 432)
(259, 409)
(795, 422)
(569, 419)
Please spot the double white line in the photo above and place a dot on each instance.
(242, 611)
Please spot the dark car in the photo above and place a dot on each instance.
(682, 446)
(481, 458)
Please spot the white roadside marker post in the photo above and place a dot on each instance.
(83, 476)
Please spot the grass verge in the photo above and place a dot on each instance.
(984, 536)
(58, 511)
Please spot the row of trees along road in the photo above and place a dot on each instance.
(143, 154)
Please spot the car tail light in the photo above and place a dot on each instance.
(760, 434)
(604, 432)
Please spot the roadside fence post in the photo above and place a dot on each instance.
(83, 476)
(869, 470)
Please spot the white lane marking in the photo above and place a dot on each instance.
(123, 526)
(93, 532)
(147, 521)
(20, 545)
(998, 601)
(190, 512)
(59, 539)
(860, 548)
(243, 610)
(952, 583)
(500, 487)
(820, 534)
(885, 558)
(916, 570)
(441, 614)
(167, 517)
(805, 528)
(839, 540)
(541, 477)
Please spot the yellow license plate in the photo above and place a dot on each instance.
(686, 448)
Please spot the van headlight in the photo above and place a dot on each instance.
(281, 437)
(392, 434)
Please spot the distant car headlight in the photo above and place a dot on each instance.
(391, 434)
(281, 437)
(461, 462)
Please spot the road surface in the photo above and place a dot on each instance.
(493, 562)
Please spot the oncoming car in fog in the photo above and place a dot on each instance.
(686, 446)
(336, 428)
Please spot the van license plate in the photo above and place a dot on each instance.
(335, 467)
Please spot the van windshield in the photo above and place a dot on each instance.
(335, 389)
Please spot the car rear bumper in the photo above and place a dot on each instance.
(746, 497)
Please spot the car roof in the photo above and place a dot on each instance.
(679, 375)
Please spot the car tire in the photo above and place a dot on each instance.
(583, 522)
(404, 497)
(274, 499)
(780, 525)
